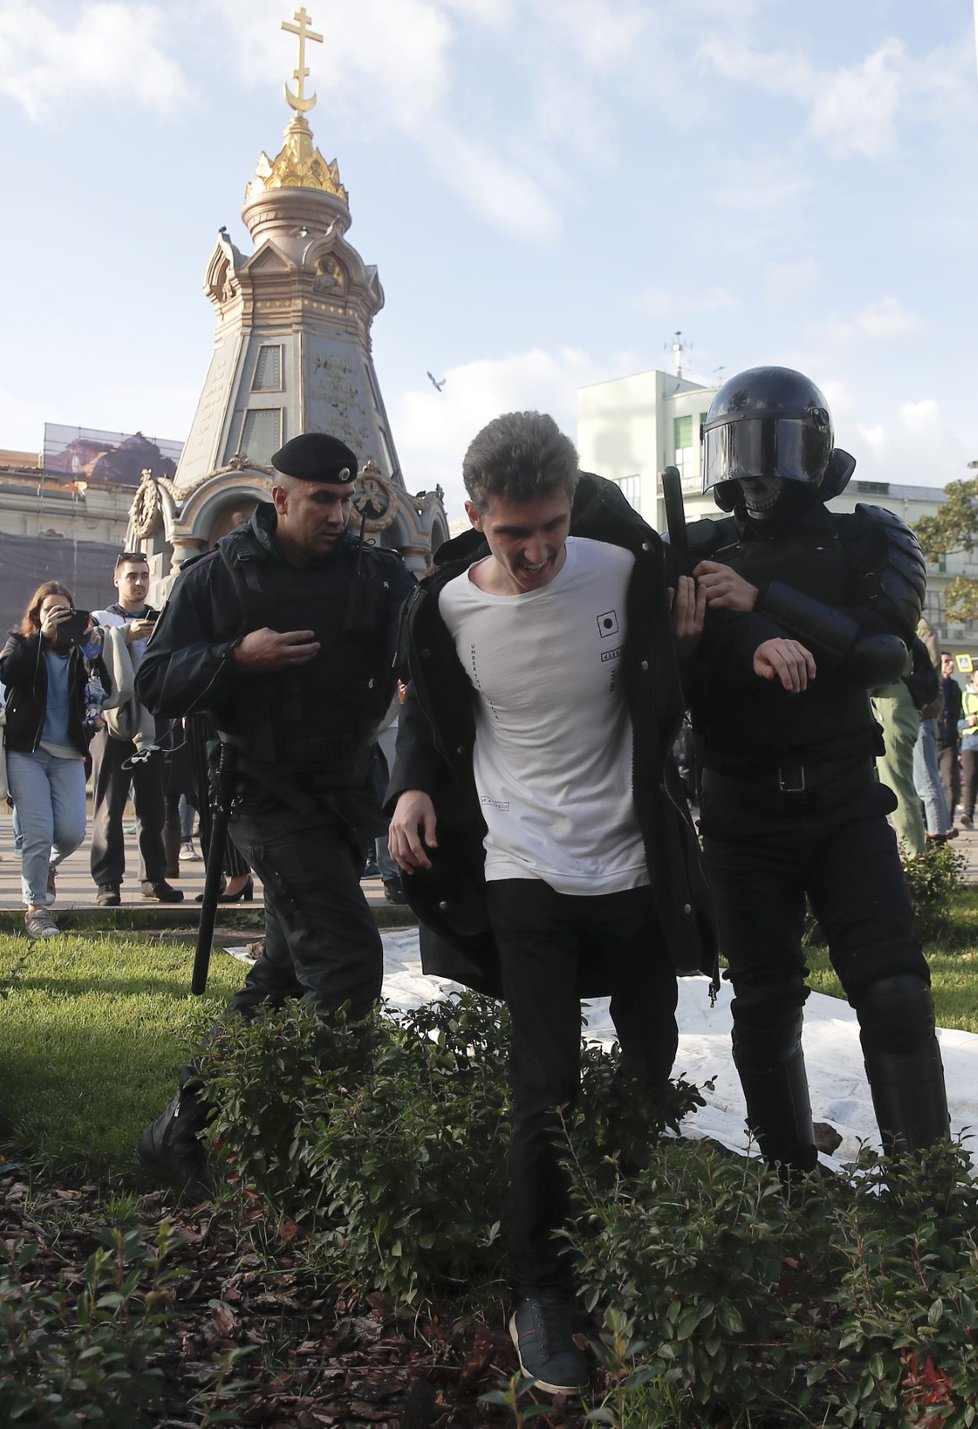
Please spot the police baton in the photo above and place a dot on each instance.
(672, 497)
(223, 793)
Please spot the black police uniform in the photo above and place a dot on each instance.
(790, 805)
(309, 786)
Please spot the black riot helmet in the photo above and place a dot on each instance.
(767, 422)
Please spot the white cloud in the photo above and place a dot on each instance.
(852, 109)
(883, 319)
(660, 302)
(602, 34)
(855, 110)
(920, 419)
(114, 50)
(913, 444)
(434, 429)
(886, 318)
(502, 192)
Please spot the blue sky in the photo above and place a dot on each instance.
(549, 188)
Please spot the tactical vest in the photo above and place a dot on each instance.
(756, 720)
(322, 716)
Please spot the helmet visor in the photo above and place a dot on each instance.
(760, 446)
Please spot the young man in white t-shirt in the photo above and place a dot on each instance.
(525, 669)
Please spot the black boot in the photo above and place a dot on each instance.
(779, 1112)
(903, 1063)
(770, 1062)
(170, 1149)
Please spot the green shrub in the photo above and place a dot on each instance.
(386, 1141)
(933, 877)
(73, 1358)
(853, 1305)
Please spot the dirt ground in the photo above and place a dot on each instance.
(317, 1361)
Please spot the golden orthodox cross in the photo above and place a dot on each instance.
(299, 101)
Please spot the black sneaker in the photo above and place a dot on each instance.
(108, 895)
(170, 1150)
(394, 892)
(544, 1340)
(161, 891)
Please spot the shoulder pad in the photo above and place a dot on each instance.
(900, 569)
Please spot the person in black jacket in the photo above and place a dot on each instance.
(56, 684)
(948, 736)
(285, 636)
(539, 820)
(806, 611)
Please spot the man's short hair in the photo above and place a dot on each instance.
(130, 558)
(946, 655)
(517, 457)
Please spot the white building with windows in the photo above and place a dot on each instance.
(630, 428)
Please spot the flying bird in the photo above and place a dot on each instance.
(435, 383)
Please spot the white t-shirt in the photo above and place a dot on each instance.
(553, 746)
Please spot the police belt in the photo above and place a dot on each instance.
(792, 786)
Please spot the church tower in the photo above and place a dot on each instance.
(292, 353)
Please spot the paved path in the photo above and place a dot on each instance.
(77, 891)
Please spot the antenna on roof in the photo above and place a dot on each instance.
(679, 348)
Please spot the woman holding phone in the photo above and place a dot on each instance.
(56, 682)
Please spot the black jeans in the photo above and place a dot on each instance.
(111, 784)
(546, 940)
(947, 763)
(969, 771)
(321, 941)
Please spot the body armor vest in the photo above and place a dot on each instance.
(756, 720)
(321, 716)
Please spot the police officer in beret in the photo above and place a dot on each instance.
(285, 636)
(806, 610)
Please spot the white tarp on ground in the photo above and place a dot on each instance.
(840, 1095)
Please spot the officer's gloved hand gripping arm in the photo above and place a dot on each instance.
(866, 642)
(863, 643)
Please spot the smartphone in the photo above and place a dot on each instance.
(74, 625)
(153, 616)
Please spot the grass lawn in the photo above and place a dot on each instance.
(92, 1033)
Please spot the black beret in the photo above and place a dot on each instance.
(314, 456)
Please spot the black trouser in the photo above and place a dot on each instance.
(761, 865)
(321, 941)
(947, 763)
(111, 784)
(547, 943)
(969, 773)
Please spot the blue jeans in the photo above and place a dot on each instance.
(927, 778)
(49, 797)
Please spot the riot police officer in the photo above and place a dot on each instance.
(803, 611)
(285, 634)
